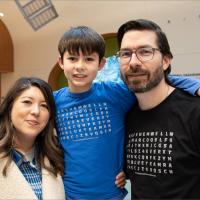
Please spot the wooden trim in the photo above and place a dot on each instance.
(6, 50)
(53, 76)
(0, 88)
(107, 35)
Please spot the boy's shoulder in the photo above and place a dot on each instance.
(59, 92)
(112, 87)
(109, 84)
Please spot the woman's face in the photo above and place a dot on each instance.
(29, 115)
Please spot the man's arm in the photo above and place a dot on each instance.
(188, 84)
(120, 180)
(198, 92)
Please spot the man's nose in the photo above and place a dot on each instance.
(134, 59)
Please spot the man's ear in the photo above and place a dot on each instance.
(166, 62)
(102, 63)
(60, 62)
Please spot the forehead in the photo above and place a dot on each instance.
(32, 92)
(134, 39)
(80, 53)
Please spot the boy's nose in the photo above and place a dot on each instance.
(80, 65)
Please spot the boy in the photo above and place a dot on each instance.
(90, 119)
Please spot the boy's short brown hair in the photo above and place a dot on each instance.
(82, 38)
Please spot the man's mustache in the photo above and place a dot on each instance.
(136, 71)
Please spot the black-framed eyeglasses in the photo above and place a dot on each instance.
(143, 54)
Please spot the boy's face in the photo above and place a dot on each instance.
(80, 70)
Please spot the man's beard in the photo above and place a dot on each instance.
(141, 86)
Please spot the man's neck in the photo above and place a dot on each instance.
(155, 96)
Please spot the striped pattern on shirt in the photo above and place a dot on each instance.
(31, 172)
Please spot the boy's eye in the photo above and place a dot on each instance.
(72, 58)
(89, 59)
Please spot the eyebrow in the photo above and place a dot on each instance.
(84, 55)
(29, 97)
(23, 97)
(142, 46)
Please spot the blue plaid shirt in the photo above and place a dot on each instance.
(31, 172)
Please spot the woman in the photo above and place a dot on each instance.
(30, 159)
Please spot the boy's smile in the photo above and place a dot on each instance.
(79, 77)
(80, 70)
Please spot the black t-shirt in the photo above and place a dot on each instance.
(163, 149)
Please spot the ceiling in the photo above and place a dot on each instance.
(179, 18)
(102, 15)
(35, 52)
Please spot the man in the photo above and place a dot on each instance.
(163, 141)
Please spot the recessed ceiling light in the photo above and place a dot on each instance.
(1, 14)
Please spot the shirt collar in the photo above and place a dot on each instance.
(30, 157)
(17, 157)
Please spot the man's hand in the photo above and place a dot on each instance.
(198, 92)
(120, 180)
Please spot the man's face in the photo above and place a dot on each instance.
(142, 76)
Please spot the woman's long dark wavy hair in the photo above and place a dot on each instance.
(46, 142)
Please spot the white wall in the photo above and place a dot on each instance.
(35, 53)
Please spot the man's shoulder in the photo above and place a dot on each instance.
(185, 96)
(185, 102)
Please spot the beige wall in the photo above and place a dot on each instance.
(35, 53)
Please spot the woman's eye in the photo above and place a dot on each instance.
(45, 106)
(26, 102)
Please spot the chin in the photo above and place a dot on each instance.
(137, 88)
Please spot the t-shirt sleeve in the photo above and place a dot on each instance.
(188, 84)
(124, 97)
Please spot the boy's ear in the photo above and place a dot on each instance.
(102, 63)
(60, 62)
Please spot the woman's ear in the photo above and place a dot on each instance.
(102, 63)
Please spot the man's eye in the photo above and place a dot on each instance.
(125, 54)
(145, 52)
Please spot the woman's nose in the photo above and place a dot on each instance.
(35, 109)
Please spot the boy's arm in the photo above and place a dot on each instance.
(188, 84)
